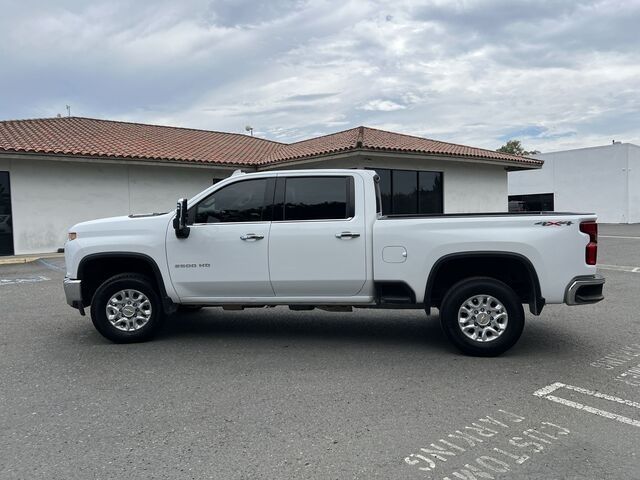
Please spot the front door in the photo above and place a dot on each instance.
(226, 253)
(6, 224)
(317, 240)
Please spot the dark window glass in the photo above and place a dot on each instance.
(410, 191)
(538, 202)
(430, 192)
(239, 202)
(315, 198)
(385, 190)
(405, 191)
(6, 225)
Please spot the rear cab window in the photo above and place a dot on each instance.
(314, 198)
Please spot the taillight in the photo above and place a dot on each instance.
(591, 252)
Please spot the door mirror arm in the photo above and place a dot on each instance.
(180, 220)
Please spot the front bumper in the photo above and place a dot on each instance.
(584, 290)
(73, 293)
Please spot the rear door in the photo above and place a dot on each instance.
(317, 239)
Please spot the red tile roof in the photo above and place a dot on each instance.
(373, 139)
(107, 138)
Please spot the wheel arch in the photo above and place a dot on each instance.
(475, 263)
(109, 264)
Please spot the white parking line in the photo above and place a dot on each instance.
(15, 281)
(50, 266)
(545, 392)
(618, 236)
(619, 268)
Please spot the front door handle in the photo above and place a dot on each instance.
(347, 235)
(251, 236)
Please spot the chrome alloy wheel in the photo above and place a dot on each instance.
(128, 310)
(482, 318)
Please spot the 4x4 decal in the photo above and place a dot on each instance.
(555, 223)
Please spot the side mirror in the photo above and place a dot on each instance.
(180, 220)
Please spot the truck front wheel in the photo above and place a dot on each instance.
(127, 309)
(482, 316)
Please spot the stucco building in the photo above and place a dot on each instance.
(604, 180)
(59, 171)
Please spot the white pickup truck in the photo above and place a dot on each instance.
(317, 239)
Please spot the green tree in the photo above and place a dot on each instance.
(514, 147)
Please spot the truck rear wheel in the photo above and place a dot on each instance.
(482, 316)
(127, 309)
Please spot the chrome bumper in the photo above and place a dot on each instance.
(73, 292)
(584, 290)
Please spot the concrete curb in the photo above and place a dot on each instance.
(18, 259)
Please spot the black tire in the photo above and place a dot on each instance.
(466, 289)
(126, 281)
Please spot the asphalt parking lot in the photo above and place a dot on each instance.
(279, 394)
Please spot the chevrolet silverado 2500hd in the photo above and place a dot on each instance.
(317, 239)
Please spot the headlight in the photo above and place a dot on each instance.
(72, 235)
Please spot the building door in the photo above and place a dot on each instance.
(6, 224)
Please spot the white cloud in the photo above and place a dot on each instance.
(382, 105)
(558, 74)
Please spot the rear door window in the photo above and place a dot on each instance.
(318, 198)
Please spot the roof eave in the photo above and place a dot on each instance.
(129, 160)
(510, 164)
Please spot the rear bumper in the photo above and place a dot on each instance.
(584, 290)
(73, 292)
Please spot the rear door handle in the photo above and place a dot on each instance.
(251, 236)
(347, 235)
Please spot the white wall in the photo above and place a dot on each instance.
(49, 196)
(468, 187)
(594, 179)
(634, 184)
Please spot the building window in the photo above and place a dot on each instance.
(537, 202)
(410, 192)
(404, 187)
(385, 190)
(430, 192)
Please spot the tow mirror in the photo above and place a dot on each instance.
(180, 220)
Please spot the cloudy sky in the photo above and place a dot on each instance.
(554, 74)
